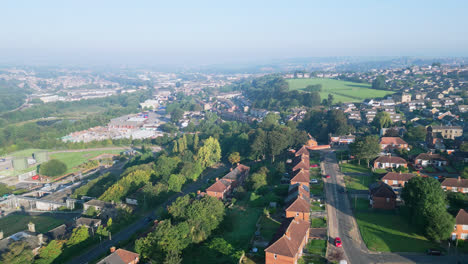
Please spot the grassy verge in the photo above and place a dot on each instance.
(354, 168)
(388, 231)
(15, 223)
(359, 182)
(315, 206)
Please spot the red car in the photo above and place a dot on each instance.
(314, 166)
(338, 242)
(327, 176)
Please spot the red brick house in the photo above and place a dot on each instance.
(388, 162)
(301, 177)
(460, 230)
(397, 179)
(455, 185)
(427, 159)
(299, 208)
(300, 162)
(120, 256)
(289, 241)
(303, 152)
(390, 143)
(224, 186)
(382, 196)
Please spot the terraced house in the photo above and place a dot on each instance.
(226, 185)
(455, 185)
(460, 230)
(397, 179)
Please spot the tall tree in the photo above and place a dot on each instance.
(382, 119)
(366, 148)
(379, 83)
(209, 153)
(330, 99)
(18, 253)
(234, 158)
(426, 202)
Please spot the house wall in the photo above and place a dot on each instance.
(399, 183)
(301, 215)
(382, 203)
(388, 165)
(455, 189)
(458, 232)
(270, 259)
(219, 195)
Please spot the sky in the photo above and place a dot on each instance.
(199, 32)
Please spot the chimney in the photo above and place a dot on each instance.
(40, 237)
(32, 227)
(112, 249)
(198, 192)
(217, 179)
(230, 169)
(459, 179)
(1, 235)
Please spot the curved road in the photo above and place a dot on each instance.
(341, 223)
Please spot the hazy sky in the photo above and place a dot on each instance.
(199, 31)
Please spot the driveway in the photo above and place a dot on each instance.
(341, 223)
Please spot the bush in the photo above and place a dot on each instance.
(53, 168)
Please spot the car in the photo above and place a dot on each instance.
(338, 242)
(327, 176)
(434, 252)
(314, 181)
(313, 165)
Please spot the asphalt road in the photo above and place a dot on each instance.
(102, 248)
(341, 223)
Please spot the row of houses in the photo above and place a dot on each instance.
(288, 243)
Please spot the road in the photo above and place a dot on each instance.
(100, 249)
(341, 223)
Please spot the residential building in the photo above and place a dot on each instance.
(342, 140)
(97, 204)
(299, 208)
(120, 256)
(226, 185)
(301, 177)
(303, 151)
(401, 97)
(382, 196)
(397, 179)
(300, 163)
(391, 143)
(455, 185)
(427, 159)
(288, 243)
(388, 162)
(460, 230)
(447, 132)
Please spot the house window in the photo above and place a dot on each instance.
(297, 214)
(276, 256)
(465, 227)
(454, 189)
(395, 182)
(385, 181)
(388, 200)
(465, 190)
(464, 235)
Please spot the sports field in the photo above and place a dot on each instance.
(342, 91)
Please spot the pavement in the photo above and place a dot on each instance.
(98, 250)
(341, 223)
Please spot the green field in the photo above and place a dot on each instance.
(25, 153)
(74, 159)
(16, 223)
(390, 232)
(342, 91)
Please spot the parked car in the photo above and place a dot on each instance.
(314, 181)
(327, 176)
(313, 165)
(338, 242)
(434, 252)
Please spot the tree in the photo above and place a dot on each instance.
(195, 142)
(330, 99)
(379, 83)
(175, 182)
(392, 132)
(48, 254)
(209, 153)
(382, 119)
(426, 202)
(366, 148)
(109, 222)
(314, 87)
(175, 149)
(234, 158)
(52, 168)
(260, 144)
(78, 235)
(464, 147)
(257, 180)
(18, 253)
(277, 142)
(176, 115)
(416, 133)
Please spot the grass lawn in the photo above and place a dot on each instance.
(359, 204)
(318, 222)
(25, 153)
(313, 259)
(317, 189)
(315, 159)
(354, 168)
(74, 159)
(315, 206)
(16, 223)
(242, 226)
(359, 182)
(342, 91)
(390, 232)
(269, 227)
(317, 247)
